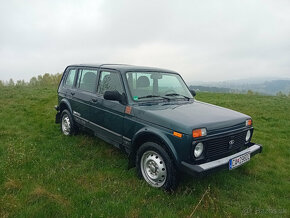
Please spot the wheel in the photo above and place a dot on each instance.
(156, 167)
(67, 123)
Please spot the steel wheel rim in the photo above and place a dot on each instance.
(153, 168)
(65, 125)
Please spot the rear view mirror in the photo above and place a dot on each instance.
(156, 76)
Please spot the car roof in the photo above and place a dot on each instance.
(123, 68)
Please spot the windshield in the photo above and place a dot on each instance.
(149, 85)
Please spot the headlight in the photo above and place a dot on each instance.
(198, 149)
(248, 136)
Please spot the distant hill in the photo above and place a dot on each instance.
(211, 89)
(268, 87)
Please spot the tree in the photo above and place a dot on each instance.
(2, 84)
(33, 81)
(280, 94)
(11, 82)
(46, 79)
(39, 79)
(20, 83)
(250, 92)
(56, 78)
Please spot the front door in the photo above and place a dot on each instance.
(111, 112)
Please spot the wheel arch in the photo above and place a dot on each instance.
(151, 134)
(64, 104)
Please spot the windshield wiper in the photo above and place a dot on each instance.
(153, 96)
(176, 94)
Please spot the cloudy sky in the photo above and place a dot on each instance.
(202, 40)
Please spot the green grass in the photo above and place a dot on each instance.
(45, 174)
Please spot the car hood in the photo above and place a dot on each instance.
(188, 116)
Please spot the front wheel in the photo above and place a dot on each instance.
(156, 167)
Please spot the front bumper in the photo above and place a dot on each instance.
(219, 164)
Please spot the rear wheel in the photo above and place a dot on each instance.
(67, 124)
(156, 167)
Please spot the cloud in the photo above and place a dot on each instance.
(203, 40)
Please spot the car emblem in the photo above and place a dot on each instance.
(231, 143)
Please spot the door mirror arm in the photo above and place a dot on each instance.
(124, 99)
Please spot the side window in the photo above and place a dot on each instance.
(70, 78)
(87, 80)
(110, 81)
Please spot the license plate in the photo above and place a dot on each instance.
(238, 161)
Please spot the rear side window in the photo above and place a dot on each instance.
(87, 80)
(70, 78)
(110, 81)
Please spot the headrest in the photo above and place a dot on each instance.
(90, 77)
(142, 82)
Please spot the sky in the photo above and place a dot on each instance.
(202, 40)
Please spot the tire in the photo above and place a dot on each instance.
(156, 167)
(67, 125)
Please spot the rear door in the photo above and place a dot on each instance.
(85, 95)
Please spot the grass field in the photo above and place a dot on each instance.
(45, 174)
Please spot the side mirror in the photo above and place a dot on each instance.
(115, 96)
(192, 92)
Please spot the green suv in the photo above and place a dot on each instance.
(152, 115)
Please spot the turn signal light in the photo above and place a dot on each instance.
(199, 132)
(249, 122)
(177, 134)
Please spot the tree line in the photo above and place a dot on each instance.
(46, 79)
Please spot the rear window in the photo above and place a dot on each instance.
(87, 80)
(70, 78)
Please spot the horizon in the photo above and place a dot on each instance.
(256, 80)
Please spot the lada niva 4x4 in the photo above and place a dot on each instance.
(151, 114)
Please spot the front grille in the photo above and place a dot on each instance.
(219, 147)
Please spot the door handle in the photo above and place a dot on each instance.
(94, 99)
(72, 93)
